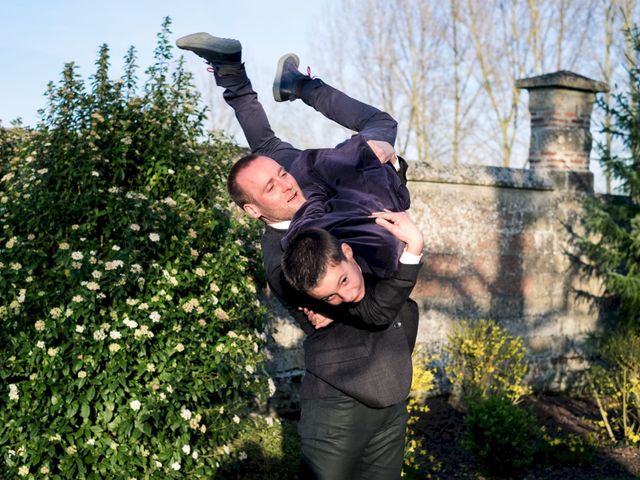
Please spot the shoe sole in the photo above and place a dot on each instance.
(202, 42)
(276, 82)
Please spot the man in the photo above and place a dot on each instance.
(359, 434)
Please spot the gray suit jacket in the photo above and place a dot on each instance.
(366, 352)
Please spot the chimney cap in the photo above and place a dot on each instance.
(563, 79)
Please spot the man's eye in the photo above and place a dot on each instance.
(269, 188)
(344, 281)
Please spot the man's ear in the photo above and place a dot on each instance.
(252, 210)
(346, 249)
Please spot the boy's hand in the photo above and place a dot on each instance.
(316, 319)
(384, 151)
(403, 228)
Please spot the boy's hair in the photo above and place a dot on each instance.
(239, 196)
(306, 258)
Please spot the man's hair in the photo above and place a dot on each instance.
(239, 196)
(306, 258)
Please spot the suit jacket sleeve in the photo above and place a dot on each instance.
(385, 297)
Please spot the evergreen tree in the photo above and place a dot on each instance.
(612, 223)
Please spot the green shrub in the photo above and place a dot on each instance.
(128, 306)
(502, 436)
(484, 359)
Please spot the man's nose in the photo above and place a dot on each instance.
(285, 185)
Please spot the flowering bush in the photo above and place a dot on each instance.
(485, 359)
(127, 291)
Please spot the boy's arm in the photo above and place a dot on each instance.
(384, 299)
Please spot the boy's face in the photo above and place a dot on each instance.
(342, 282)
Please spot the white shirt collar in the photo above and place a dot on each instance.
(284, 225)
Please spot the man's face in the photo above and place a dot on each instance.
(342, 282)
(275, 193)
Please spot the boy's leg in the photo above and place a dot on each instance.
(240, 96)
(369, 121)
(224, 56)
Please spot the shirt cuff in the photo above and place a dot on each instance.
(396, 164)
(409, 258)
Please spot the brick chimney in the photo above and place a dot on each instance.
(560, 104)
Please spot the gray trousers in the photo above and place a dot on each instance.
(343, 439)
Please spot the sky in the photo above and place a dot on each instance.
(38, 37)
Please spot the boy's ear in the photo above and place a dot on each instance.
(252, 210)
(346, 249)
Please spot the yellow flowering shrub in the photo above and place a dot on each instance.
(483, 359)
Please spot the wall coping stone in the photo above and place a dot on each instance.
(438, 172)
(563, 79)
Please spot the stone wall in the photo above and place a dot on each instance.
(499, 246)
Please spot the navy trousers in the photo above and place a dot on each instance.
(370, 122)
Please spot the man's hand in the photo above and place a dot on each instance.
(384, 151)
(316, 319)
(403, 228)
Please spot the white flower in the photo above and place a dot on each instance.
(44, 470)
(151, 367)
(79, 328)
(113, 265)
(63, 246)
(186, 414)
(200, 272)
(179, 347)
(13, 392)
(92, 286)
(77, 299)
(176, 466)
(114, 347)
(143, 306)
(40, 344)
(115, 335)
(11, 243)
(91, 441)
(135, 405)
(236, 419)
(134, 227)
(226, 449)
(96, 274)
(130, 323)
(186, 449)
(23, 471)
(155, 317)
(82, 374)
(154, 237)
(94, 173)
(135, 268)
(194, 455)
(169, 202)
(99, 335)
(39, 325)
(52, 352)
(55, 312)
(42, 171)
(77, 255)
(249, 368)
(242, 456)
(158, 464)
(272, 387)
(115, 248)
